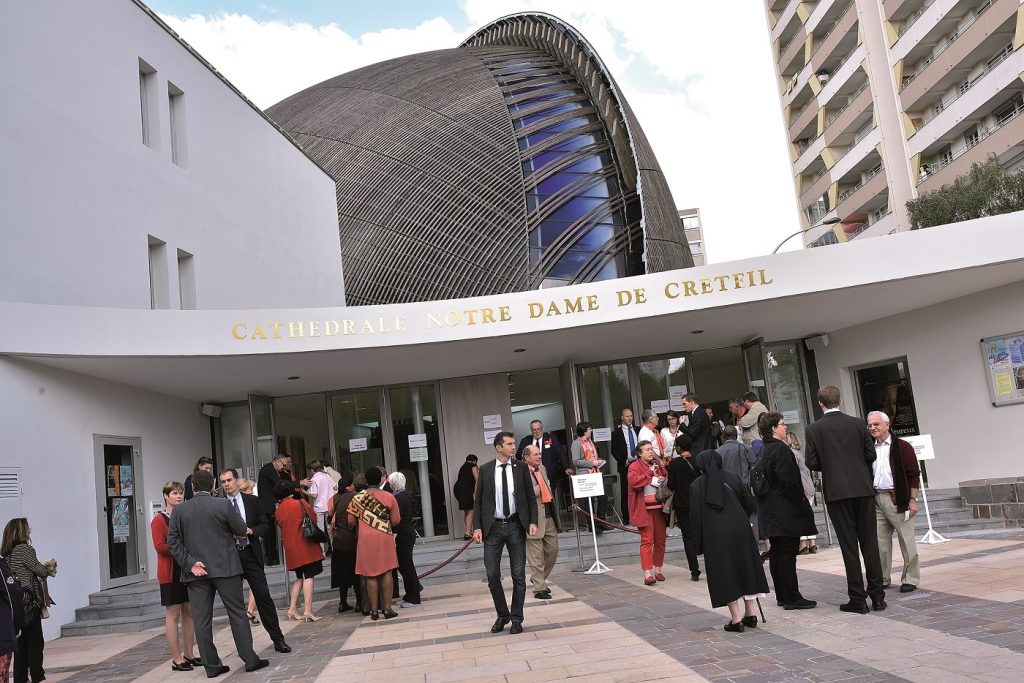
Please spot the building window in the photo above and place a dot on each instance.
(818, 209)
(186, 281)
(147, 105)
(176, 116)
(691, 222)
(159, 283)
(971, 137)
(696, 248)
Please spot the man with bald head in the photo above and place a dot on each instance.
(542, 546)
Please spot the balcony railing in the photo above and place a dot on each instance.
(857, 138)
(863, 181)
(825, 240)
(838, 112)
(992, 63)
(873, 218)
(1001, 121)
(842, 15)
(785, 45)
(914, 17)
(981, 9)
(802, 109)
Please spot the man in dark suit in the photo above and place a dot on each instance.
(552, 453)
(251, 555)
(624, 440)
(275, 482)
(698, 426)
(201, 538)
(840, 447)
(504, 512)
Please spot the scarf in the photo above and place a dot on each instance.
(711, 462)
(545, 492)
(368, 509)
(590, 453)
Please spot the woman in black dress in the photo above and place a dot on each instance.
(464, 489)
(719, 509)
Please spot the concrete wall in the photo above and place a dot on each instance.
(48, 418)
(973, 439)
(82, 191)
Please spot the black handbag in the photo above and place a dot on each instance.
(309, 527)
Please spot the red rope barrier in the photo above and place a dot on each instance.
(446, 562)
(606, 522)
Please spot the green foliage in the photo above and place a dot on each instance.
(986, 190)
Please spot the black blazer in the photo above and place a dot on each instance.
(841, 448)
(553, 457)
(272, 486)
(620, 447)
(782, 510)
(256, 520)
(483, 501)
(699, 429)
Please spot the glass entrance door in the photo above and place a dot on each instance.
(261, 409)
(419, 454)
(753, 362)
(356, 424)
(119, 478)
(785, 374)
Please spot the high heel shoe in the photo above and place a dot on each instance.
(292, 616)
(374, 615)
(310, 617)
(390, 613)
(252, 618)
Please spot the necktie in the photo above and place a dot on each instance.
(240, 542)
(632, 442)
(536, 442)
(505, 510)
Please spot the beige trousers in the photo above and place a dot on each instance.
(541, 554)
(887, 520)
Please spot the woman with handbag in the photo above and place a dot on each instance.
(21, 556)
(301, 538)
(645, 475)
(343, 543)
(173, 593)
(376, 512)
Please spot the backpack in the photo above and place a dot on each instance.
(14, 594)
(759, 478)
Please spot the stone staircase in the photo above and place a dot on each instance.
(137, 607)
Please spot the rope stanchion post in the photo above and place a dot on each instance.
(579, 538)
(448, 561)
(598, 567)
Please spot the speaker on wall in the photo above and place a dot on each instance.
(817, 343)
(210, 410)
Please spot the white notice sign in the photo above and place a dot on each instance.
(603, 434)
(418, 441)
(677, 391)
(659, 406)
(489, 436)
(922, 446)
(418, 455)
(492, 422)
(791, 417)
(676, 403)
(587, 485)
(355, 445)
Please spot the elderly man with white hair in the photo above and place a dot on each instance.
(897, 482)
(405, 541)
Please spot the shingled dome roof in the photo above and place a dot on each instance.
(509, 163)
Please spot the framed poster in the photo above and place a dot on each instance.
(1004, 367)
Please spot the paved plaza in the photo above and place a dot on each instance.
(966, 623)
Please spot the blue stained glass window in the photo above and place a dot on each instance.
(576, 209)
(570, 263)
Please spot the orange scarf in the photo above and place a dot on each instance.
(545, 492)
(590, 453)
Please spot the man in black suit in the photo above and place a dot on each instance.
(552, 453)
(275, 482)
(251, 555)
(504, 512)
(698, 426)
(624, 441)
(201, 538)
(840, 447)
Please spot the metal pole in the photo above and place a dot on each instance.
(579, 538)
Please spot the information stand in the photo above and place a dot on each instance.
(587, 486)
(924, 450)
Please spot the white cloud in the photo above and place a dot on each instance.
(702, 86)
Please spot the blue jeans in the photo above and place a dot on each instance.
(508, 534)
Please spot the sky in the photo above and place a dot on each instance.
(702, 85)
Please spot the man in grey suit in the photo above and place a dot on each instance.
(201, 538)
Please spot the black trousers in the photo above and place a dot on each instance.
(854, 522)
(28, 657)
(624, 496)
(270, 541)
(506, 534)
(782, 565)
(683, 522)
(345, 561)
(407, 568)
(252, 571)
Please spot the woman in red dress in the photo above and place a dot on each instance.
(377, 514)
(302, 555)
(645, 474)
(173, 593)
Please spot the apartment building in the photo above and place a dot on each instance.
(888, 99)
(694, 229)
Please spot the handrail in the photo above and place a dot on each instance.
(863, 181)
(857, 138)
(842, 15)
(934, 168)
(843, 108)
(934, 55)
(992, 64)
(913, 18)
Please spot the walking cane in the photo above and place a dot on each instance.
(761, 609)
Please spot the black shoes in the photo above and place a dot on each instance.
(282, 646)
(260, 664)
(750, 622)
(734, 628)
(879, 605)
(542, 595)
(344, 607)
(802, 603)
(854, 607)
(184, 666)
(908, 588)
(694, 576)
(390, 613)
(194, 661)
(517, 627)
(499, 625)
(222, 669)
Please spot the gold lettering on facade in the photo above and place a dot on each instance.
(238, 331)
(737, 280)
(258, 333)
(721, 282)
(505, 313)
(690, 287)
(399, 323)
(672, 290)
(348, 327)
(469, 312)
(276, 327)
(765, 281)
(314, 328)
(367, 328)
(331, 328)
(536, 310)
(488, 315)
(294, 330)
(705, 285)
(433, 321)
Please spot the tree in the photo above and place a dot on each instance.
(986, 190)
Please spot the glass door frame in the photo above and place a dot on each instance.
(141, 523)
(251, 399)
(633, 377)
(381, 410)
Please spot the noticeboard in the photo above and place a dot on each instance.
(587, 485)
(1004, 367)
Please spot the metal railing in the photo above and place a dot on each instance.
(802, 109)
(842, 15)
(857, 138)
(838, 112)
(863, 181)
(993, 62)
(873, 218)
(952, 38)
(1001, 122)
(914, 17)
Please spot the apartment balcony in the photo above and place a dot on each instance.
(879, 222)
(792, 51)
(855, 155)
(824, 13)
(858, 198)
(787, 16)
(820, 182)
(948, 64)
(1005, 139)
(897, 10)
(980, 94)
(934, 19)
(807, 114)
(809, 154)
(850, 117)
(840, 76)
(839, 39)
(800, 91)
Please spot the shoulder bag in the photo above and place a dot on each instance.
(309, 527)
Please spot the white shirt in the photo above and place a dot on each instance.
(881, 466)
(498, 505)
(647, 434)
(241, 505)
(322, 486)
(626, 432)
(670, 441)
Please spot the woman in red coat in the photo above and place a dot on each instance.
(173, 593)
(302, 555)
(377, 514)
(644, 476)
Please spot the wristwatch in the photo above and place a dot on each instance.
(914, 499)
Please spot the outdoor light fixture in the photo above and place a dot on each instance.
(518, 350)
(696, 331)
(294, 377)
(827, 221)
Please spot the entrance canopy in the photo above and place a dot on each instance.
(224, 355)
